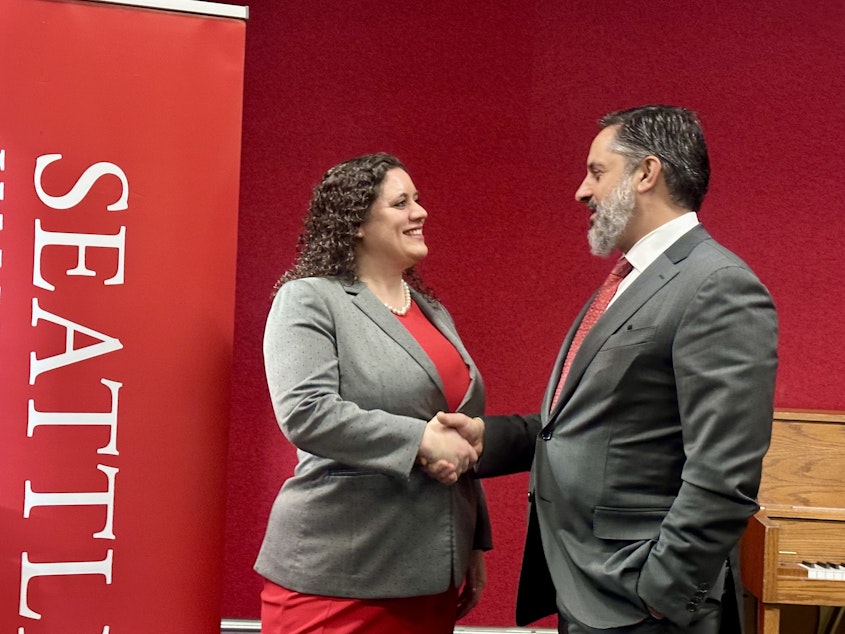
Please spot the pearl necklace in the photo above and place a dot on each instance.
(404, 310)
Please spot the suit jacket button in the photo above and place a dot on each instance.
(531, 497)
(692, 606)
(546, 434)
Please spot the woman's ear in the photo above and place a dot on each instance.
(651, 168)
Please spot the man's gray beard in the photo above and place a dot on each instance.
(611, 218)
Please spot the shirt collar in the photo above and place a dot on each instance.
(650, 246)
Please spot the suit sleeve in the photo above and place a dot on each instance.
(301, 363)
(725, 359)
(508, 444)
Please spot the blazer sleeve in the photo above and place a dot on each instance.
(301, 363)
(725, 359)
(483, 538)
(508, 444)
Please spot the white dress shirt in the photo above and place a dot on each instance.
(650, 246)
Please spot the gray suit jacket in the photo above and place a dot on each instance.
(352, 390)
(647, 469)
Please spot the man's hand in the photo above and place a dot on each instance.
(471, 429)
(443, 453)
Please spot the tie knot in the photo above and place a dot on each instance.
(622, 268)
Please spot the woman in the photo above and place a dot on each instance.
(359, 362)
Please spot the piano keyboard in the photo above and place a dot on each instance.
(824, 570)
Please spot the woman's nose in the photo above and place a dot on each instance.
(418, 211)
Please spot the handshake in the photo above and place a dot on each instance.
(451, 445)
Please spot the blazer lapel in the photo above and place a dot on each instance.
(370, 305)
(657, 275)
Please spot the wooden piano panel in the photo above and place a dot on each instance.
(819, 540)
(804, 467)
(802, 516)
(802, 539)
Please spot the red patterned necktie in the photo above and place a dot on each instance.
(600, 302)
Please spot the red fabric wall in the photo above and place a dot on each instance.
(493, 106)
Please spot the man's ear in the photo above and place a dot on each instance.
(651, 169)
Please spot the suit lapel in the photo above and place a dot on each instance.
(551, 388)
(657, 275)
(370, 305)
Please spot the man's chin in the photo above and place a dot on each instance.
(599, 247)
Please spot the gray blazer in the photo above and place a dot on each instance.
(352, 390)
(647, 469)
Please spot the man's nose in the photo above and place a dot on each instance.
(583, 193)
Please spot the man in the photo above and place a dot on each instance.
(647, 454)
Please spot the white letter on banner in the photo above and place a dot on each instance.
(79, 498)
(36, 418)
(70, 355)
(29, 570)
(82, 186)
(105, 630)
(80, 241)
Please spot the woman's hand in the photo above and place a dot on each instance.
(444, 453)
(474, 584)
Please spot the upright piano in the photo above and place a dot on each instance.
(793, 551)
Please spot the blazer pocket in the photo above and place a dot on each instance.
(632, 337)
(354, 473)
(630, 524)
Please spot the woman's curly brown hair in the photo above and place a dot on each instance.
(339, 205)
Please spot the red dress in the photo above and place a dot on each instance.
(288, 612)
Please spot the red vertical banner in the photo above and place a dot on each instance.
(119, 163)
